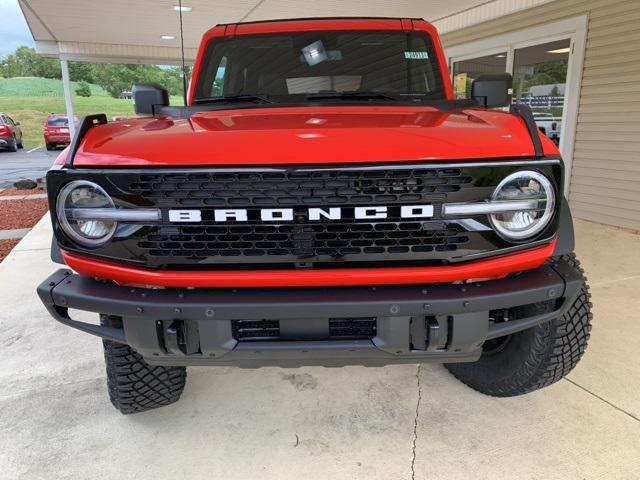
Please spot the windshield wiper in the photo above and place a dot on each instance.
(234, 98)
(351, 96)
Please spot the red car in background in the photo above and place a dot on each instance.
(10, 133)
(56, 130)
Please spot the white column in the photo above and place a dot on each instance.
(68, 99)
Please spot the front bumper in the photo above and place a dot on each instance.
(413, 324)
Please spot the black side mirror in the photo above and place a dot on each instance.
(492, 90)
(17, 124)
(149, 97)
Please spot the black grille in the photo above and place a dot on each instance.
(299, 187)
(352, 328)
(338, 329)
(303, 240)
(255, 330)
(300, 240)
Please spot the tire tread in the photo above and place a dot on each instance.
(134, 385)
(556, 349)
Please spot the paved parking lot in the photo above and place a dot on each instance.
(400, 422)
(26, 163)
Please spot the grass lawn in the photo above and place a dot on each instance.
(30, 100)
(40, 87)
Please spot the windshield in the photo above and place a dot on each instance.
(291, 66)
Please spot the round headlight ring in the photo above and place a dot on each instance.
(72, 230)
(539, 223)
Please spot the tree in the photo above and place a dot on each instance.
(25, 62)
(83, 90)
(114, 78)
(547, 73)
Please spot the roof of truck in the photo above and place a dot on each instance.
(306, 19)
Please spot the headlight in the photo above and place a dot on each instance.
(525, 185)
(73, 209)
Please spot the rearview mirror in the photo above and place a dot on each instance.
(492, 91)
(149, 97)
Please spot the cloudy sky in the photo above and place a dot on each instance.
(13, 29)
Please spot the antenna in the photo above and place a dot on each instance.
(184, 73)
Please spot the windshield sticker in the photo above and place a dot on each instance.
(416, 55)
(315, 53)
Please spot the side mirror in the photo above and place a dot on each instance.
(148, 97)
(17, 124)
(492, 91)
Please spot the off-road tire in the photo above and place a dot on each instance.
(533, 358)
(134, 385)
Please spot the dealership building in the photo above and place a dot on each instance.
(575, 62)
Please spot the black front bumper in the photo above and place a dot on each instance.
(413, 324)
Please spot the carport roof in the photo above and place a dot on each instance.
(130, 31)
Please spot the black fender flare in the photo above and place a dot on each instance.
(56, 254)
(566, 237)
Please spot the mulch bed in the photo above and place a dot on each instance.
(6, 246)
(15, 191)
(21, 213)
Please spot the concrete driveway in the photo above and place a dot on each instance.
(401, 422)
(30, 163)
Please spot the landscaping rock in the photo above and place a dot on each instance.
(25, 184)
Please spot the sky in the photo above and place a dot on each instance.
(13, 28)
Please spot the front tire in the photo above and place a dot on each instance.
(534, 358)
(134, 385)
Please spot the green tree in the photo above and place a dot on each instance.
(83, 90)
(25, 62)
(547, 73)
(114, 78)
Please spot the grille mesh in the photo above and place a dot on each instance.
(255, 330)
(352, 328)
(303, 240)
(302, 188)
(337, 329)
(299, 189)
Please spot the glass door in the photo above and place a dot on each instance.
(540, 81)
(546, 64)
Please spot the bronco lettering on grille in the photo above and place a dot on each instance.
(312, 214)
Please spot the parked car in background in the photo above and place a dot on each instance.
(56, 131)
(549, 125)
(10, 133)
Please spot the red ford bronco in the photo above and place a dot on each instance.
(321, 200)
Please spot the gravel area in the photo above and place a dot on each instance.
(6, 246)
(15, 191)
(21, 213)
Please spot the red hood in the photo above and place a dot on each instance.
(308, 135)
